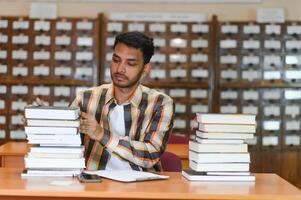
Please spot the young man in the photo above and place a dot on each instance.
(125, 124)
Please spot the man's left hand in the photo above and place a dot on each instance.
(89, 126)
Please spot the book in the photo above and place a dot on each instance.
(52, 122)
(218, 141)
(49, 173)
(50, 130)
(54, 155)
(219, 157)
(42, 163)
(217, 148)
(57, 150)
(226, 167)
(227, 128)
(51, 112)
(216, 118)
(218, 135)
(192, 175)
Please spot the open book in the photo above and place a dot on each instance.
(127, 175)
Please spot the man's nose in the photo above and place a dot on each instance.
(121, 68)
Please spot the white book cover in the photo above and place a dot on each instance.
(51, 112)
(218, 141)
(56, 123)
(218, 148)
(227, 128)
(56, 137)
(219, 157)
(58, 150)
(215, 118)
(54, 155)
(54, 163)
(51, 130)
(226, 167)
(216, 135)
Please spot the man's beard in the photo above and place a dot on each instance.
(131, 83)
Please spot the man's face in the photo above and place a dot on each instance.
(127, 66)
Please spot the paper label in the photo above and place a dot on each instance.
(229, 29)
(66, 26)
(178, 73)
(3, 39)
(2, 104)
(20, 71)
(159, 42)
(200, 28)
(292, 140)
(293, 59)
(198, 93)
(157, 28)
(159, 58)
(271, 125)
(271, 95)
(174, 58)
(228, 44)
(292, 94)
(41, 55)
(250, 110)
(62, 40)
(84, 71)
(16, 119)
(157, 73)
(228, 109)
(19, 54)
(84, 56)
(178, 43)
(246, 60)
(41, 90)
(271, 75)
(251, 44)
(41, 25)
(293, 29)
(62, 91)
(178, 28)
(3, 23)
(114, 27)
(292, 125)
(110, 41)
(179, 124)
(3, 89)
(84, 41)
(84, 25)
(2, 118)
(3, 69)
(293, 74)
(272, 29)
(19, 89)
(292, 110)
(177, 92)
(199, 108)
(18, 105)
(229, 95)
(199, 43)
(62, 71)
(180, 108)
(62, 55)
(251, 29)
(199, 73)
(272, 44)
(136, 27)
(199, 57)
(41, 71)
(42, 40)
(270, 140)
(271, 110)
(20, 25)
(229, 74)
(229, 59)
(293, 44)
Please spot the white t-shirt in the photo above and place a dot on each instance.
(117, 127)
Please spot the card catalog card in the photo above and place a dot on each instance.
(20, 24)
(3, 38)
(110, 55)
(17, 134)
(270, 141)
(41, 55)
(61, 103)
(20, 71)
(198, 93)
(178, 43)
(246, 60)
(2, 118)
(177, 58)
(178, 28)
(250, 75)
(159, 42)
(292, 94)
(292, 74)
(272, 44)
(20, 39)
(199, 73)
(228, 44)
(84, 56)
(178, 73)
(84, 41)
(41, 25)
(229, 29)
(271, 94)
(199, 57)
(18, 105)
(271, 59)
(229, 74)
(251, 29)
(3, 69)
(199, 43)
(84, 71)
(293, 59)
(41, 90)
(3, 89)
(229, 95)
(62, 55)
(42, 40)
(62, 71)
(251, 44)
(114, 27)
(3, 23)
(180, 108)
(179, 124)
(292, 125)
(62, 40)
(228, 109)
(292, 140)
(293, 44)
(199, 108)
(19, 89)
(293, 29)
(19, 54)
(157, 73)
(62, 91)
(200, 28)
(250, 110)
(110, 41)
(84, 25)
(228, 59)
(177, 92)
(41, 70)
(271, 110)
(3, 54)
(271, 125)
(2, 104)
(250, 95)
(266, 15)
(272, 29)
(63, 26)
(136, 27)
(252, 141)
(271, 75)
(16, 119)
(157, 28)
(2, 133)
(292, 110)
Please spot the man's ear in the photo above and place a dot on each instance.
(147, 68)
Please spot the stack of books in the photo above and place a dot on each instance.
(219, 151)
(57, 149)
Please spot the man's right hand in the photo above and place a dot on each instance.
(39, 102)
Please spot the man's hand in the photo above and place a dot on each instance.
(89, 126)
(39, 102)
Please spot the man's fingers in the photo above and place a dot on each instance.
(39, 102)
(85, 115)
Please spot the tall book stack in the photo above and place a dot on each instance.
(57, 149)
(219, 151)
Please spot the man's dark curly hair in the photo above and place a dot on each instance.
(139, 41)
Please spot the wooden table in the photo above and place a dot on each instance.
(266, 187)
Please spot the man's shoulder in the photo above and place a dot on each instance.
(156, 93)
(99, 88)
